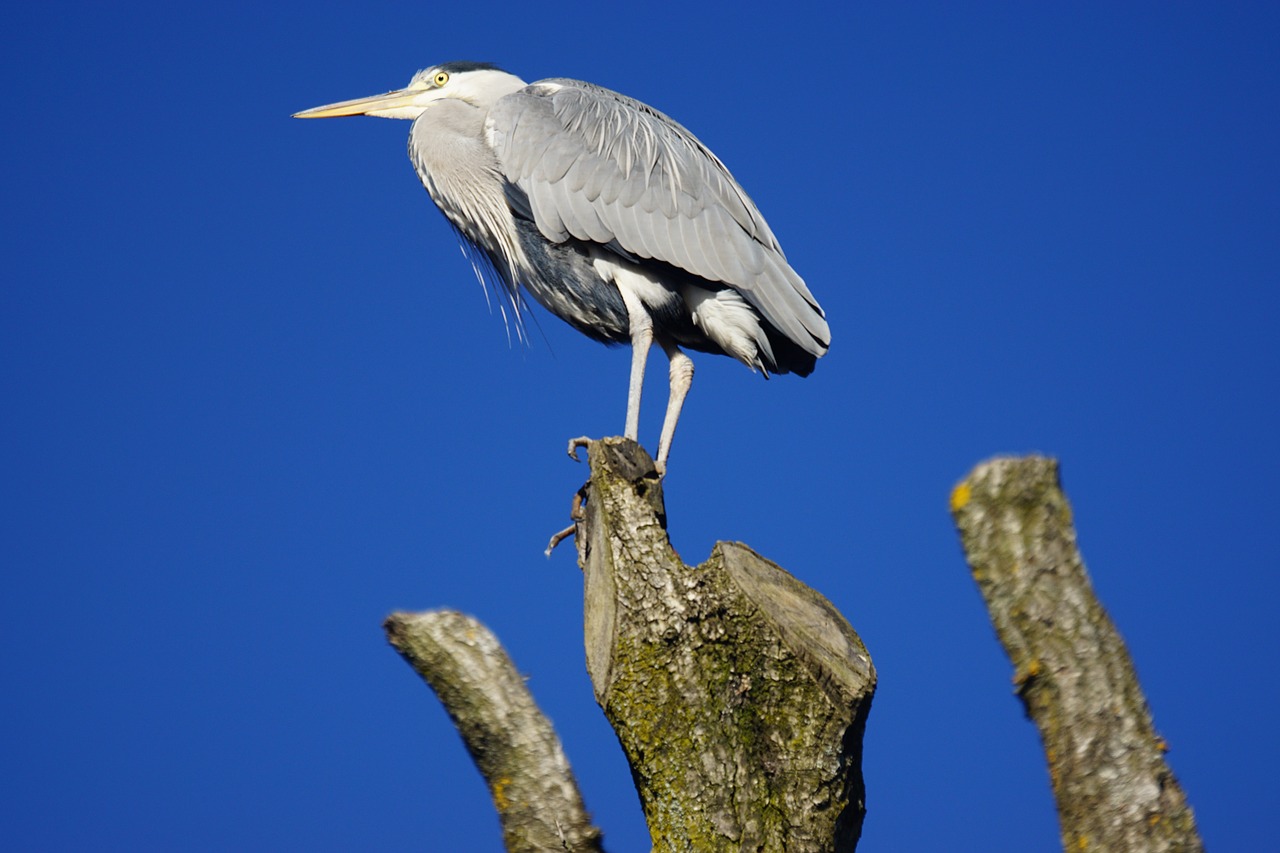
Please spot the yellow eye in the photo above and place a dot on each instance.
(441, 78)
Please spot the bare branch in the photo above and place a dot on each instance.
(512, 742)
(1114, 790)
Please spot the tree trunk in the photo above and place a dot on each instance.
(1114, 790)
(738, 693)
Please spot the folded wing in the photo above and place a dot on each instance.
(590, 164)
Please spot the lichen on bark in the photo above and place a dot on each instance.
(738, 693)
(1072, 671)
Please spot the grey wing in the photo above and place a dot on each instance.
(595, 165)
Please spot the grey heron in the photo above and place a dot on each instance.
(608, 213)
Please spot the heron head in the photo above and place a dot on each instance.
(477, 83)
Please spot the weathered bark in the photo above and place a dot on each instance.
(738, 693)
(512, 742)
(1114, 790)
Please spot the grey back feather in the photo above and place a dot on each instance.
(597, 166)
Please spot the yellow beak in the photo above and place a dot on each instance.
(387, 105)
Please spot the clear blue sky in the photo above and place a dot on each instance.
(253, 400)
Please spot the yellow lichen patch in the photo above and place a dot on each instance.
(1027, 671)
(1082, 843)
(960, 496)
(500, 793)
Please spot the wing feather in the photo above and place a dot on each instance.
(600, 167)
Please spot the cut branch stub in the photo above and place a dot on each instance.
(512, 742)
(1114, 790)
(738, 693)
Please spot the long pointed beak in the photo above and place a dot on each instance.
(383, 104)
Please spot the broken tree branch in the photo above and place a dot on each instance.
(511, 741)
(1114, 789)
(738, 693)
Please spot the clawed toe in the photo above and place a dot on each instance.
(575, 443)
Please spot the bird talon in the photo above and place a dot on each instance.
(557, 538)
(575, 443)
(577, 514)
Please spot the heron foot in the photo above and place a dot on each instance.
(575, 443)
(560, 536)
(576, 513)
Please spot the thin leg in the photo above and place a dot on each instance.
(641, 339)
(681, 376)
